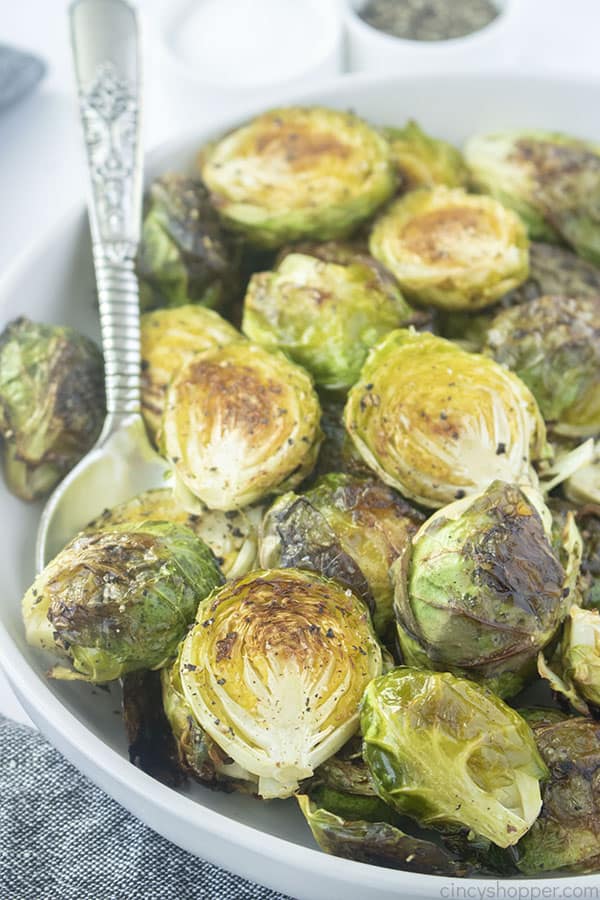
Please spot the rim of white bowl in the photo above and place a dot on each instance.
(51, 716)
(506, 19)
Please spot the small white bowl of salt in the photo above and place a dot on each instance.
(210, 57)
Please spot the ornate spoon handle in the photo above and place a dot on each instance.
(106, 54)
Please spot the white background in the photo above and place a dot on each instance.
(41, 174)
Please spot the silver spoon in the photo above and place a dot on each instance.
(122, 463)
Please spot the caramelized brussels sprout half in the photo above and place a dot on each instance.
(451, 249)
(274, 670)
(565, 837)
(437, 423)
(551, 180)
(574, 670)
(345, 527)
(199, 756)
(232, 536)
(52, 403)
(424, 161)
(121, 600)
(553, 345)
(378, 843)
(240, 423)
(482, 590)
(185, 256)
(298, 172)
(323, 315)
(449, 753)
(170, 338)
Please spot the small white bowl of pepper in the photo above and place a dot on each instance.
(431, 35)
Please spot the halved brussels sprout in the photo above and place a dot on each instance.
(553, 345)
(232, 536)
(170, 338)
(298, 172)
(52, 403)
(185, 256)
(574, 669)
(451, 249)
(378, 843)
(323, 315)
(198, 755)
(565, 837)
(424, 161)
(584, 485)
(274, 670)
(449, 753)
(119, 601)
(437, 423)
(345, 527)
(240, 423)
(481, 590)
(551, 180)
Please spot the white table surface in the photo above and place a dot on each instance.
(41, 174)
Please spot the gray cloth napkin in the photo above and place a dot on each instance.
(62, 838)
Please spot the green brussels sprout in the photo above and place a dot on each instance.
(584, 485)
(344, 527)
(574, 670)
(323, 315)
(240, 423)
(451, 249)
(198, 755)
(553, 345)
(52, 403)
(298, 172)
(185, 256)
(481, 590)
(565, 836)
(119, 601)
(424, 161)
(436, 422)
(449, 753)
(232, 536)
(171, 337)
(274, 670)
(551, 180)
(378, 843)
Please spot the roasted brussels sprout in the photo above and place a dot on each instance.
(298, 172)
(481, 590)
(424, 161)
(199, 756)
(345, 527)
(170, 338)
(565, 837)
(451, 249)
(553, 345)
(551, 180)
(323, 315)
(378, 843)
(232, 536)
(574, 670)
(437, 423)
(240, 423)
(584, 485)
(52, 403)
(185, 256)
(121, 600)
(449, 753)
(274, 670)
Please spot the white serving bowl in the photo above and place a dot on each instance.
(371, 50)
(53, 281)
